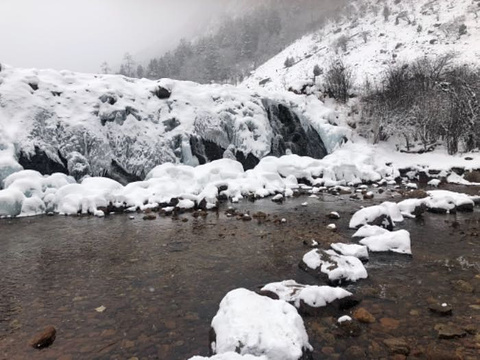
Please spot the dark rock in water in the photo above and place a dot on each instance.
(149, 217)
(397, 346)
(348, 328)
(162, 93)
(465, 207)
(45, 338)
(354, 353)
(384, 221)
(441, 309)
(42, 163)
(269, 294)
(446, 331)
(463, 286)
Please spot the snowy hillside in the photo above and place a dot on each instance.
(83, 124)
(372, 35)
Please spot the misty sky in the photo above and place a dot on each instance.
(80, 34)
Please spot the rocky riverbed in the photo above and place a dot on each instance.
(126, 288)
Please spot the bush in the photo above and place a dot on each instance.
(462, 30)
(289, 62)
(339, 80)
(424, 102)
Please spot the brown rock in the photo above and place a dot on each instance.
(472, 176)
(415, 194)
(354, 352)
(363, 316)
(149, 217)
(434, 352)
(397, 346)
(389, 323)
(463, 286)
(44, 339)
(446, 331)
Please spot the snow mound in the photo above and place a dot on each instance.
(338, 268)
(86, 124)
(314, 296)
(370, 230)
(358, 251)
(395, 241)
(385, 213)
(230, 356)
(252, 324)
(440, 201)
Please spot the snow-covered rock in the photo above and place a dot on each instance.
(358, 251)
(395, 241)
(380, 215)
(230, 356)
(337, 268)
(11, 202)
(370, 230)
(313, 296)
(249, 323)
(86, 124)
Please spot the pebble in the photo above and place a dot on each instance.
(441, 309)
(363, 316)
(45, 338)
(397, 346)
(446, 331)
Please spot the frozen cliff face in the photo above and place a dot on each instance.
(109, 125)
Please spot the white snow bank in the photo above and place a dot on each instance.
(338, 268)
(370, 214)
(438, 200)
(11, 201)
(395, 241)
(355, 250)
(257, 325)
(230, 356)
(315, 296)
(370, 230)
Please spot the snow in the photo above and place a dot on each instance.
(230, 356)
(395, 241)
(11, 202)
(434, 182)
(92, 120)
(338, 268)
(315, 296)
(373, 43)
(370, 230)
(257, 325)
(358, 251)
(344, 318)
(370, 214)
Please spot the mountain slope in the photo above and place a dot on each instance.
(371, 36)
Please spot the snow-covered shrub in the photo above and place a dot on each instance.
(426, 101)
(289, 62)
(339, 80)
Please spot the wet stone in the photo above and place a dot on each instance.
(149, 217)
(354, 352)
(363, 316)
(441, 309)
(45, 338)
(463, 286)
(446, 331)
(348, 329)
(397, 346)
(389, 323)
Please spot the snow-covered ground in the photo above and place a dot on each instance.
(86, 124)
(370, 43)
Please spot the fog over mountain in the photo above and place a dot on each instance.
(80, 35)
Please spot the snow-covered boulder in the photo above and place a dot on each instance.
(336, 268)
(249, 323)
(310, 298)
(395, 241)
(369, 230)
(358, 251)
(230, 356)
(384, 215)
(11, 202)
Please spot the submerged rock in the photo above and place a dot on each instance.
(45, 338)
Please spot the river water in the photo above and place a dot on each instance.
(161, 281)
